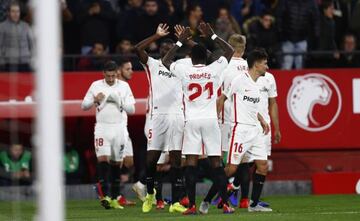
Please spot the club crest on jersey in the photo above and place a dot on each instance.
(166, 74)
(251, 99)
(264, 90)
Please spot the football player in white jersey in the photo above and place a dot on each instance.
(166, 118)
(110, 97)
(269, 111)
(200, 83)
(124, 73)
(236, 67)
(246, 137)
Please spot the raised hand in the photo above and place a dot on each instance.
(185, 34)
(205, 29)
(162, 30)
(178, 30)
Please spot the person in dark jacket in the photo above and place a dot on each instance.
(262, 33)
(95, 19)
(297, 20)
(349, 59)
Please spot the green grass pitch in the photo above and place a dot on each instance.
(287, 208)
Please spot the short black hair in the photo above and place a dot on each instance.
(110, 66)
(198, 52)
(256, 55)
(123, 61)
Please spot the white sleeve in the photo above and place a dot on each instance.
(177, 69)
(219, 65)
(129, 101)
(88, 100)
(272, 90)
(228, 91)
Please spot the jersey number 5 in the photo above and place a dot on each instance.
(199, 90)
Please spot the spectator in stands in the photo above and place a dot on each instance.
(297, 20)
(262, 33)
(245, 9)
(349, 59)
(126, 20)
(125, 47)
(94, 60)
(95, 18)
(193, 18)
(224, 13)
(15, 166)
(16, 41)
(327, 35)
(223, 28)
(147, 22)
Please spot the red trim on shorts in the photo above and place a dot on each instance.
(232, 143)
(233, 133)
(202, 149)
(147, 71)
(223, 108)
(235, 111)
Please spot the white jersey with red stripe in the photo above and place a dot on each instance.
(164, 89)
(236, 67)
(268, 90)
(244, 94)
(200, 84)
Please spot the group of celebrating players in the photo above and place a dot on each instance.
(199, 106)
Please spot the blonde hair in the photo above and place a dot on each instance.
(238, 42)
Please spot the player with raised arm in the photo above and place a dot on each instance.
(166, 119)
(236, 67)
(199, 82)
(110, 97)
(247, 140)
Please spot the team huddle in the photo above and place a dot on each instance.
(199, 106)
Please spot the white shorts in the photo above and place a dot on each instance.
(164, 158)
(246, 139)
(225, 136)
(109, 140)
(165, 132)
(128, 150)
(202, 136)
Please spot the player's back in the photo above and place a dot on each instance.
(236, 67)
(165, 90)
(200, 83)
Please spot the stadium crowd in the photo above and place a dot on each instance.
(98, 29)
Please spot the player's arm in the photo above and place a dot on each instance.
(161, 31)
(169, 57)
(129, 102)
(209, 32)
(191, 43)
(220, 103)
(264, 125)
(274, 114)
(91, 100)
